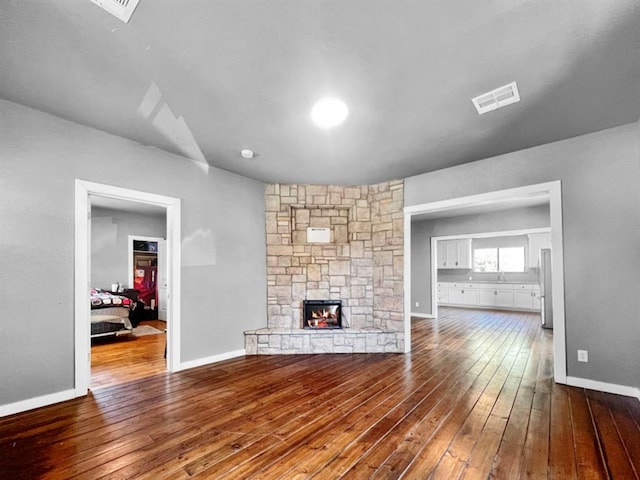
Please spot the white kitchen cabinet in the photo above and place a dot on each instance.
(470, 296)
(454, 253)
(443, 293)
(463, 253)
(537, 304)
(487, 297)
(504, 298)
(495, 296)
(447, 253)
(456, 295)
(537, 241)
(490, 295)
(527, 297)
(523, 299)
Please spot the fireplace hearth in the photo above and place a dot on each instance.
(322, 314)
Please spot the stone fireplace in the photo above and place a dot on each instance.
(333, 243)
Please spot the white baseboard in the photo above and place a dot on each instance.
(213, 359)
(36, 402)
(422, 315)
(44, 400)
(604, 387)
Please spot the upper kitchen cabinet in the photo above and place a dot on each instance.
(537, 241)
(454, 253)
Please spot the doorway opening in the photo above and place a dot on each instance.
(475, 204)
(85, 193)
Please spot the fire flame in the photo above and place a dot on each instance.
(323, 317)
(322, 314)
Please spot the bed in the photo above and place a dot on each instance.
(110, 314)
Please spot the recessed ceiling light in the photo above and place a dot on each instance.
(246, 153)
(329, 112)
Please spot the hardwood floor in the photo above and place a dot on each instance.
(115, 361)
(474, 399)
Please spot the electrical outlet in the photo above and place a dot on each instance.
(417, 304)
(583, 356)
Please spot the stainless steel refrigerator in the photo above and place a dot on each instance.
(546, 310)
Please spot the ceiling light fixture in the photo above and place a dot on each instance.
(246, 153)
(329, 112)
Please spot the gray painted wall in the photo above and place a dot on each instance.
(110, 230)
(600, 176)
(422, 231)
(223, 244)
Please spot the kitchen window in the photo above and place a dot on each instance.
(498, 259)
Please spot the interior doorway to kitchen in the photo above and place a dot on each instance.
(476, 203)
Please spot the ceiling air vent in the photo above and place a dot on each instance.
(498, 98)
(122, 9)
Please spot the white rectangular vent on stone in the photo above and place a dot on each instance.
(498, 98)
(121, 9)
(318, 235)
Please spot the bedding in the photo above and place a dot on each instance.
(109, 314)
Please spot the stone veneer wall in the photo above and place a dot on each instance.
(362, 266)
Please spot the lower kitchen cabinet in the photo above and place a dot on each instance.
(490, 295)
(456, 295)
(470, 296)
(504, 298)
(459, 293)
(495, 297)
(527, 300)
(536, 300)
(443, 294)
(487, 298)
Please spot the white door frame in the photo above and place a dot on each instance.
(83, 189)
(554, 190)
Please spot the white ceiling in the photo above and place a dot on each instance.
(206, 79)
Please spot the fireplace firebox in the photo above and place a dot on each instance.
(322, 314)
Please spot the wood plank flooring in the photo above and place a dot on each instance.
(115, 361)
(474, 400)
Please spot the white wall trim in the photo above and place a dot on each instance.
(554, 191)
(213, 359)
(36, 402)
(487, 198)
(501, 233)
(422, 315)
(83, 190)
(557, 274)
(434, 277)
(82, 312)
(604, 387)
(407, 283)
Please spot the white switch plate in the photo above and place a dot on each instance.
(583, 356)
(417, 304)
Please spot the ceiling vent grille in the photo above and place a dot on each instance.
(498, 98)
(121, 9)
